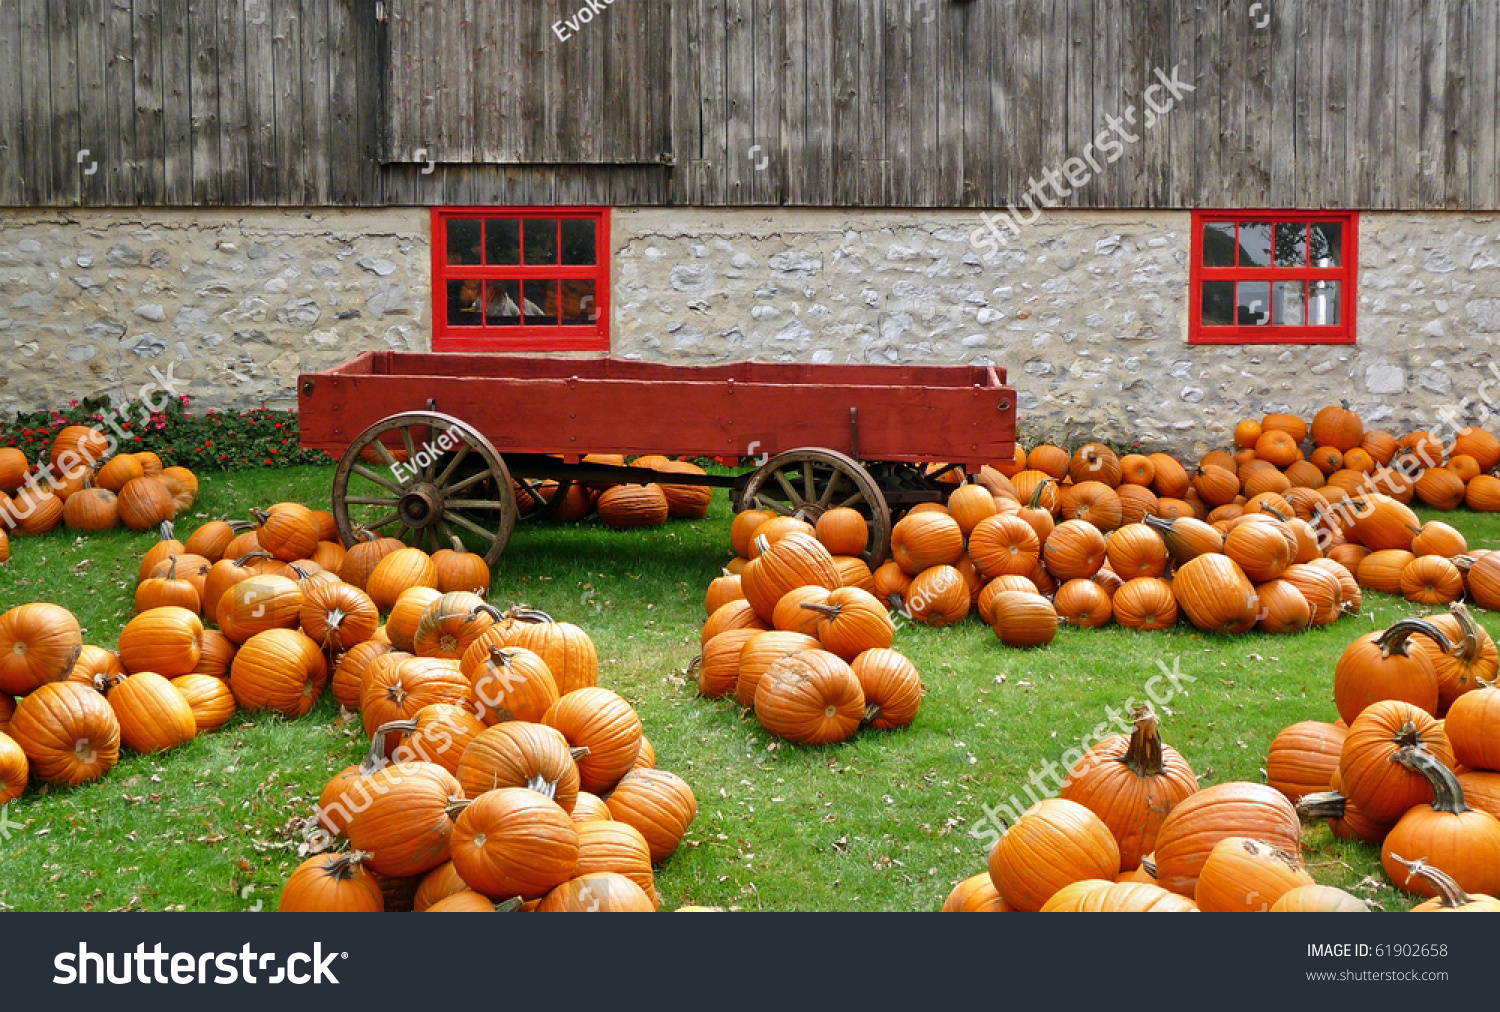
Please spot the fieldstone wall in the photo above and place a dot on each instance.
(1087, 309)
(237, 303)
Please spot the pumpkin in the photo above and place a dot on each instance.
(288, 530)
(1386, 665)
(216, 653)
(1473, 728)
(338, 616)
(1186, 538)
(1327, 459)
(279, 670)
(1056, 842)
(514, 842)
(760, 651)
(405, 828)
(1381, 787)
(460, 569)
(1345, 819)
(975, 894)
(1463, 841)
(167, 590)
(854, 572)
(922, 540)
(362, 558)
(775, 529)
(796, 560)
(790, 616)
(1382, 570)
(39, 643)
(145, 503)
(608, 845)
(1380, 522)
(1100, 896)
(1038, 514)
(1075, 550)
(1145, 603)
(153, 715)
(597, 892)
(1431, 579)
(892, 688)
(223, 575)
(81, 443)
(92, 661)
(1049, 459)
(843, 531)
(1095, 462)
(1137, 469)
(1244, 875)
(1131, 783)
(1023, 620)
(1083, 603)
(1095, 502)
(406, 614)
(1216, 486)
(1259, 549)
(1484, 580)
(1349, 556)
(602, 722)
(1450, 897)
(512, 683)
(1283, 608)
(851, 621)
(521, 754)
(1437, 538)
(1135, 550)
(1320, 589)
(44, 511)
(1440, 488)
(91, 509)
(398, 572)
(438, 733)
(69, 734)
(659, 805)
(1483, 494)
(566, 649)
(719, 663)
(1304, 757)
(1136, 503)
(1001, 545)
(746, 522)
(332, 883)
(396, 691)
(938, 596)
(1191, 830)
(347, 684)
(722, 590)
(967, 505)
(685, 501)
(1350, 596)
(14, 468)
(811, 697)
(1318, 899)
(1338, 427)
(151, 463)
(209, 699)
(449, 625)
(15, 770)
(1466, 467)
(437, 885)
(257, 604)
(629, 506)
(1170, 480)
(740, 614)
(1215, 595)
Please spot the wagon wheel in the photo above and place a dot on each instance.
(431, 495)
(807, 483)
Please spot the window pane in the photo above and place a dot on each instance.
(541, 240)
(1323, 305)
(1253, 308)
(1218, 303)
(1255, 244)
(1290, 308)
(463, 240)
(1291, 244)
(1327, 244)
(577, 241)
(1218, 244)
(540, 305)
(464, 306)
(502, 303)
(502, 241)
(578, 305)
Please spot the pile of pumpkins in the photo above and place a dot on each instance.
(798, 636)
(1133, 832)
(623, 506)
(296, 611)
(86, 490)
(1413, 763)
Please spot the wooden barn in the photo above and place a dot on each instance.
(1160, 215)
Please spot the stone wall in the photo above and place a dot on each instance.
(236, 302)
(1088, 310)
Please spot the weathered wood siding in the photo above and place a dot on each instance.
(879, 103)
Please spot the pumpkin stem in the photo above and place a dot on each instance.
(260, 515)
(831, 610)
(1149, 863)
(166, 531)
(102, 684)
(456, 806)
(1463, 563)
(578, 752)
(1448, 793)
(510, 906)
(1268, 508)
(1468, 650)
(1322, 805)
(172, 568)
(1144, 756)
(546, 788)
(532, 616)
(872, 713)
(1450, 894)
(240, 526)
(1036, 493)
(762, 545)
(692, 669)
(376, 759)
(343, 866)
(244, 560)
(1396, 639)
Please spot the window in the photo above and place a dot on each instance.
(520, 279)
(1264, 277)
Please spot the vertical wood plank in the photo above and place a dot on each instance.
(1079, 100)
(1338, 53)
(1182, 121)
(203, 98)
(61, 60)
(950, 111)
(1459, 109)
(317, 101)
(94, 104)
(344, 97)
(149, 109)
(768, 48)
(234, 122)
(1434, 103)
(538, 116)
(978, 58)
(1108, 189)
(687, 129)
(177, 112)
(845, 108)
(1484, 74)
(290, 182)
(12, 110)
(1411, 154)
(260, 103)
(874, 164)
(925, 58)
(1154, 53)
(712, 172)
(1208, 131)
(1294, 40)
(898, 122)
(1379, 141)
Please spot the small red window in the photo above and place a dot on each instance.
(1273, 277)
(520, 279)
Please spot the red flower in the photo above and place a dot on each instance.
(268, 461)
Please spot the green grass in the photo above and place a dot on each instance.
(878, 823)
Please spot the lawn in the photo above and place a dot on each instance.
(879, 823)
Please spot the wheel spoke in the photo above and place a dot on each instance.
(807, 481)
(772, 504)
(786, 486)
(856, 497)
(383, 521)
(468, 482)
(833, 483)
(369, 500)
(471, 526)
(411, 448)
(448, 536)
(474, 504)
(442, 481)
(369, 475)
(385, 454)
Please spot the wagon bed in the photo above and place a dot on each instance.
(531, 421)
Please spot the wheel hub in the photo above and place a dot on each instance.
(421, 506)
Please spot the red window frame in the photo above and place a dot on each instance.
(523, 337)
(1342, 332)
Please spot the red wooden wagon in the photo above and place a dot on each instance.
(439, 445)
